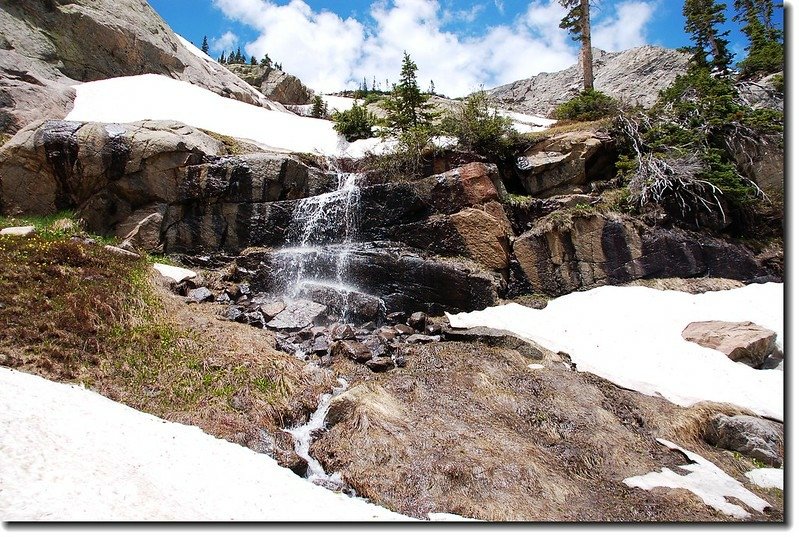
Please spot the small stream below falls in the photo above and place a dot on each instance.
(304, 435)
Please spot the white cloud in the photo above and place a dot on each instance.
(500, 6)
(626, 28)
(329, 52)
(225, 42)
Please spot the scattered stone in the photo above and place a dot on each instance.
(320, 346)
(497, 338)
(244, 289)
(272, 309)
(404, 329)
(380, 364)
(175, 273)
(200, 295)
(255, 318)
(535, 367)
(342, 332)
(297, 315)
(387, 334)
(235, 314)
(434, 329)
(421, 338)
(121, 252)
(396, 317)
(369, 327)
(418, 321)
(377, 346)
(352, 350)
(21, 231)
(754, 437)
(400, 360)
(223, 298)
(743, 342)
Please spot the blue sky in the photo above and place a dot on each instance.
(461, 45)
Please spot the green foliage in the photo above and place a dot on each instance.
(204, 46)
(319, 109)
(266, 61)
(480, 128)
(589, 105)
(702, 21)
(778, 82)
(355, 123)
(765, 51)
(408, 159)
(407, 106)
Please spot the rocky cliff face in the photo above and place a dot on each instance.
(275, 84)
(634, 76)
(44, 50)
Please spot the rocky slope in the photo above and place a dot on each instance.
(44, 50)
(633, 76)
(275, 84)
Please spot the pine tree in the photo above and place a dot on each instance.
(222, 58)
(578, 22)
(239, 58)
(204, 46)
(253, 61)
(266, 61)
(702, 21)
(407, 107)
(765, 52)
(319, 109)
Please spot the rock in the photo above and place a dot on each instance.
(635, 77)
(235, 314)
(274, 83)
(352, 350)
(380, 364)
(200, 295)
(396, 317)
(566, 160)
(340, 332)
(368, 326)
(417, 321)
(404, 329)
(46, 51)
(121, 252)
(21, 231)
(297, 315)
(146, 235)
(176, 274)
(320, 346)
(754, 437)
(378, 346)
(593, 250)
(498, 338)
(743, 342)
(434, 329)
(387, 334)
(270, 310)
(421, 338)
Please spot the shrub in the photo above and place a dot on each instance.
(355, 123)
(479, 128)
(589, 105)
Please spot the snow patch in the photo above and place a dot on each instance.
(156, 97)
(704, 479)
(69, 454)
(176, 273)
(194, 50)
(767, 478)
(632, 336)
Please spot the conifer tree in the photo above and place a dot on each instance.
(407, 106)
(222, 58)
(204, 46)
(578, 22)
(266, 61)
(253, 61)
(319, 109)
(702, 21)
(765, 52)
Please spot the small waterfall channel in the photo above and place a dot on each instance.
(303, 436)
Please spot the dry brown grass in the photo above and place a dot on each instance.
(75, 312)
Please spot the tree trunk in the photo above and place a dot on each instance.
(586, 54)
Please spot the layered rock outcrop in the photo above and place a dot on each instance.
(634, 77)
(44, 51)
(275, 84)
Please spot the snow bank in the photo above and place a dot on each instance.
(194, 50)
(525, 123)
(69, 454)
(137, 98)
(704, 479)
(767, 478)
(632, 336)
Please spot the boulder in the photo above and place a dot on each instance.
(19, 231)
(564, 161)
(381, 364)
(200, 295)
(497, 338)
(44, 51)
(352, 350)
(274, 84)
(297, 315)
(743, 342)
(570, 251)
(754, 437)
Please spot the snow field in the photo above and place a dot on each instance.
(632, 336)
(69, 454)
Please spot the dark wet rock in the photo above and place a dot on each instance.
(386, 334)
(434, 329)
(417, 321)
(351, 304)
(352, 350)
(368, 327)
(404, 329)
(400, 360)
(378, 346)
(743, 342)
(297, 315)
(341, 331)
(200, 295)
(396, 317)
(758, 438)
(381, 364)
(497, 338)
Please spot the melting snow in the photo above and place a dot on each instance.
(69, 454)
(768, 478)
(138, 98)
(704, 479)
(176, 273)
(632, 336)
